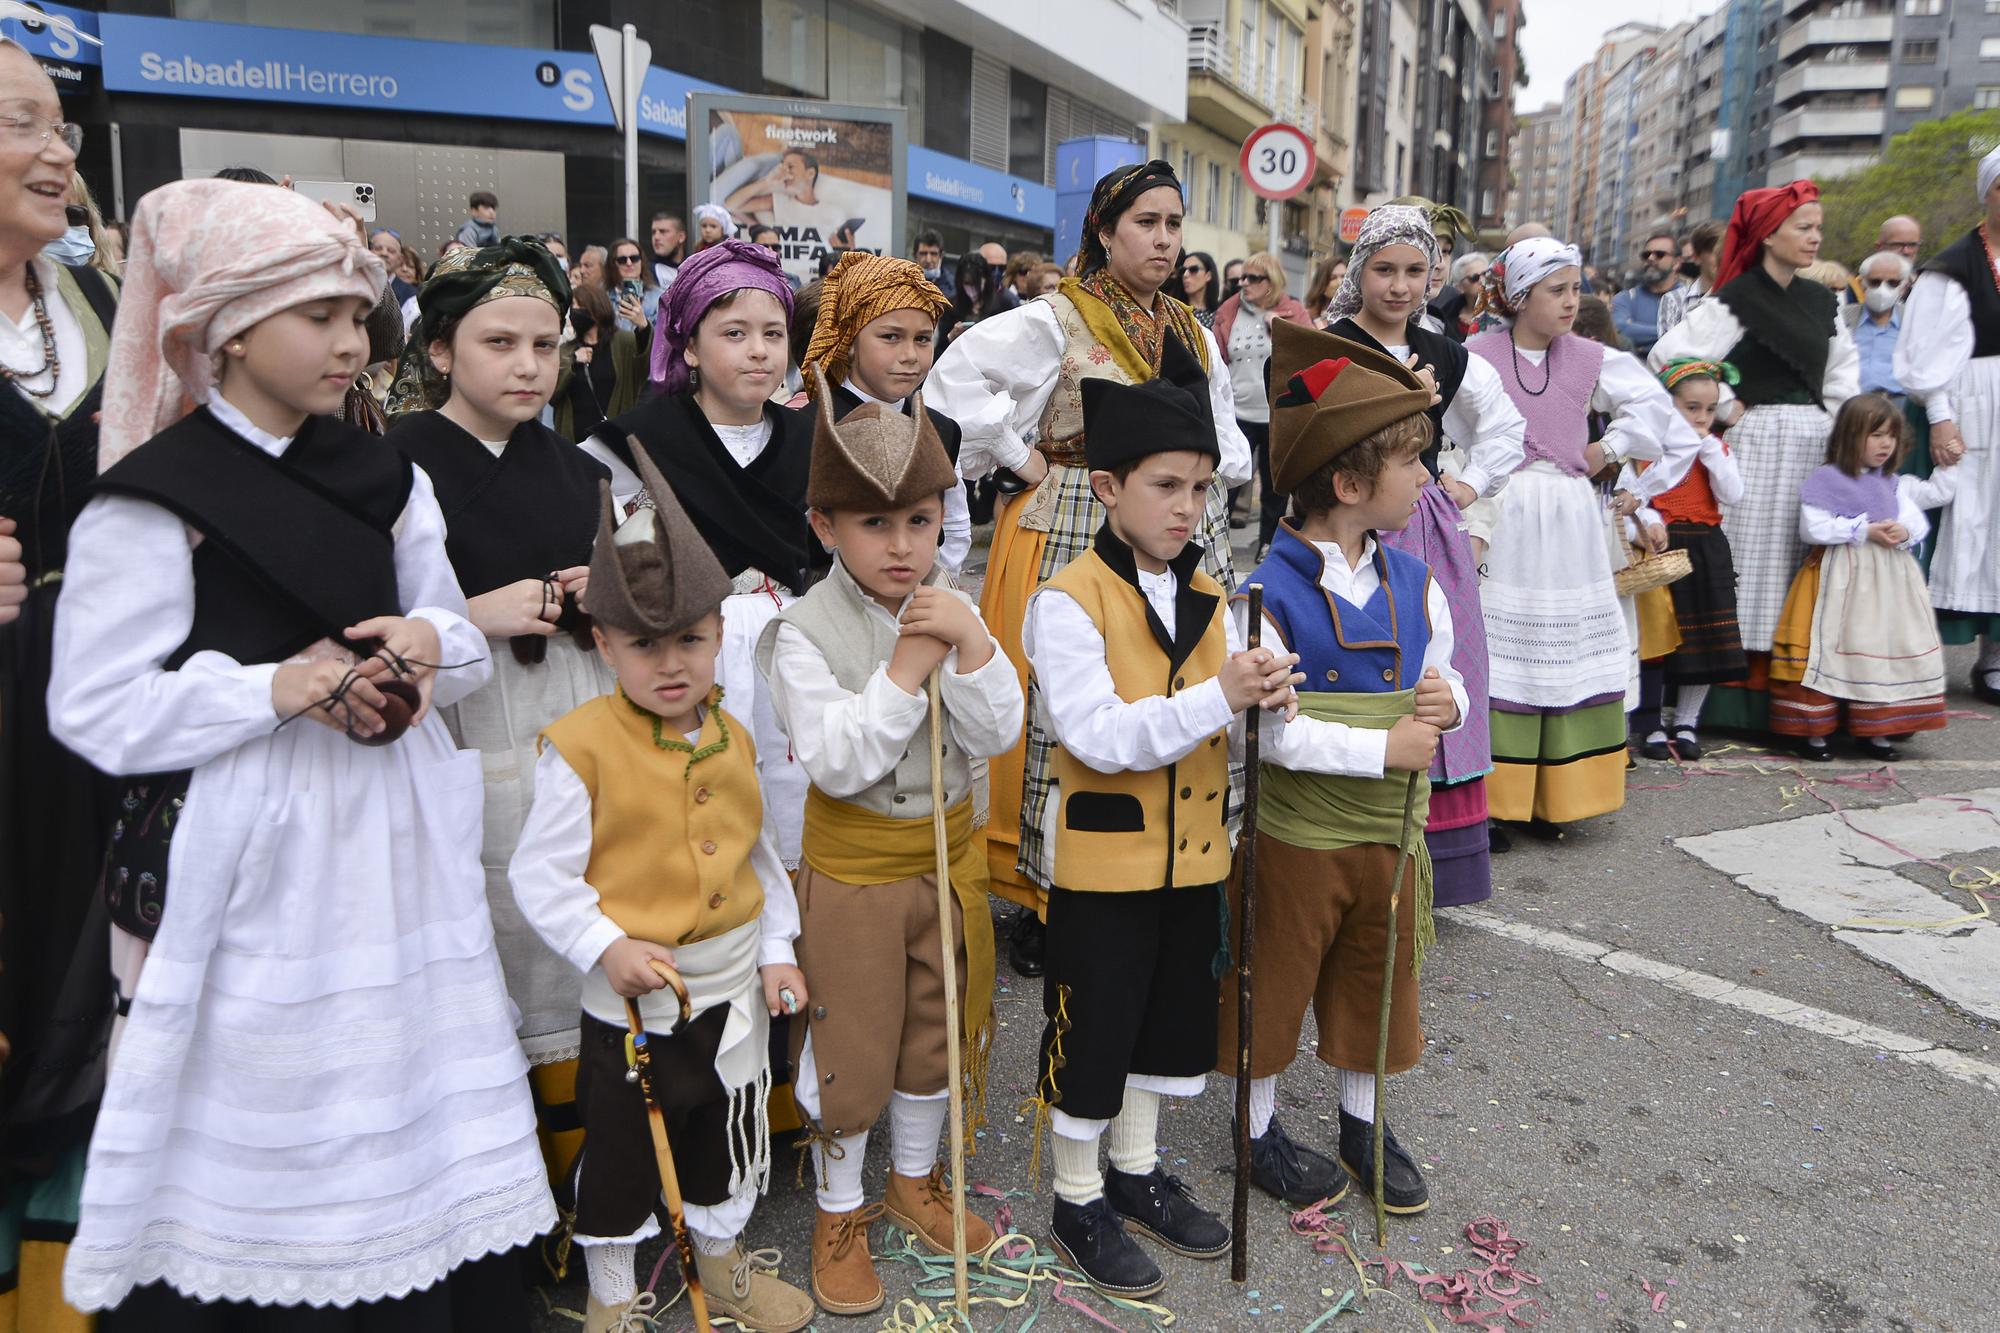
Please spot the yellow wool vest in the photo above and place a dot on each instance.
(672, 825)
(1125, 832)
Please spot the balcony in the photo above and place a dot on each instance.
(1832, 76)
(1875, 28)
(1230, 94)
(1837, 123)
(1824, 166)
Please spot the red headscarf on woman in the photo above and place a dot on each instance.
(1757, 214)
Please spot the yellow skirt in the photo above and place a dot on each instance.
(1791, 641)
(1659, 632)
(1013, 572)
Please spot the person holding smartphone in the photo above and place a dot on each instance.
(635, 291)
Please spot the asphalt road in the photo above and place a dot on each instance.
(1649, 1073)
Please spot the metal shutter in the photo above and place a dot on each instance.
(990, 125)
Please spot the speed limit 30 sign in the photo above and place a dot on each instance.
(1278, 161)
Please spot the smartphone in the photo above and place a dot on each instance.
(852, 225)
(360, 194)
(632, 288)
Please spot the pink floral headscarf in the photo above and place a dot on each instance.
(209, 259)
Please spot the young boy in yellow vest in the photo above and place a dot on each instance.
(647, 840)
(847, 666)
(1373, 634)
(1142, 680)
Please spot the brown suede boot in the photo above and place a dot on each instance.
(921, 1205)
(844, 1280)
(744, 1286)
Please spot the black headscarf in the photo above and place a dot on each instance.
(516, 266)
(1117, 190)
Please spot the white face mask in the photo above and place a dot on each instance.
(73, 247)
(1881, 300)
(562, 262)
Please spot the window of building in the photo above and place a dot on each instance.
(528, 24)
(1214, 194)
(864, 59)
(1403, 87)
(1916, 97)
(1920, 52)
(1027, 124)
(794, 42)
(1500, 26)
(1989, 48)
(1486, 202)
(1235, 201)
(1400, 152)
(1987, 97)
(1492, 143)
(1922, 8)
(1993, 6)
(1187, 175)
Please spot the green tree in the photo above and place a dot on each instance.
(1931, 173)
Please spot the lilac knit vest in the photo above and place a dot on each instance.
(1559, 417)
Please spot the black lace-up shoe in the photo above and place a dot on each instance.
(1160, 1207)
(1404, 1188)
(1025, 940)
(1093, 1240)
(1289, 1171)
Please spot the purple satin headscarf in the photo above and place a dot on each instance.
(710, 275)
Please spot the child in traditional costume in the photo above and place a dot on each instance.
(319, 1098)
(1557, 638)
(520, 508)
(846, 666)
(1141, 680)
(1710, 648)
(1857, 647)
(613, 877)
(1376, 305)
(1373, 633)
(1014, 382)
(874, 334)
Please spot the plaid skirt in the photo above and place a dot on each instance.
(1776, 447)
(1072, 524)
(1711, 647)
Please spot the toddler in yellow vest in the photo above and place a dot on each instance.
(1142, 679)
(647, 840)
(847, 666)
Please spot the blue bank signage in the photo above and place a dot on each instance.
(951, 180)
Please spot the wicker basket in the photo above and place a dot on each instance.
(1651, 572)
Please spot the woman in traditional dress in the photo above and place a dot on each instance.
(55, 809)
(1377, 304)
(1555, 634)
(1018, 377)
(1795, 364)
(520, 507)
(1948, 359)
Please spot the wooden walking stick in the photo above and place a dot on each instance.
(954, 1059)
(640, 1071)
(1388, 984)
(1239, 1208)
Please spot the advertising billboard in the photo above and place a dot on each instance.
(828, 177)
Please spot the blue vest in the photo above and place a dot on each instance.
(1372, 649)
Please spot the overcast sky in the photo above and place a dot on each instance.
(1559, 35)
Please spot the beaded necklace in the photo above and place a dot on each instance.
(1548, 367)
(51, 363)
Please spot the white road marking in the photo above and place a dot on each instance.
(1763, 1004)
(1829, 868)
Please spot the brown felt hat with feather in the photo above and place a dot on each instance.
(874, 458)
(652, 573)
(1329, 394)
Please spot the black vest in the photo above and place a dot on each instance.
(1965, 263)
(294, 549)
(1446, 358)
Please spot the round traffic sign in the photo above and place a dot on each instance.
(1350, 224)
(1278, 161)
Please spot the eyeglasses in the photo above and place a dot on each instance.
(628, 259)
(1882, 282)
(1249, 278)
(1657, 254)
(1193, 271)
(24, 127)
(1904, 248)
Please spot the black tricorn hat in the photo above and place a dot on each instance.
(1123, 423)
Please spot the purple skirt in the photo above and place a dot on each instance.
(1436, 536)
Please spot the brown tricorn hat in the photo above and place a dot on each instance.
(652, 573)
(1328, 395)
(874, 458)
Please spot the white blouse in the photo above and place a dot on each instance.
(996, 377)
(1645, 424)
(1935, 344)
(21, 347)
(1711, 332)
(1823, 527)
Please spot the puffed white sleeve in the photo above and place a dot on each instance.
(1644, 421)
(778, 926)
(994, 380)
(1935, 343)
(1708, 333)
(547, 868)
(1843, 368)
(1724, 477)
(1237, 464)
(427, 584)
(1823, 527)
(1483, 421)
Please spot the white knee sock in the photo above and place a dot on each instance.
(840, 1177)
(1687, 708)
(610, 1267)
(1077, 1178)
(914, 1126)
(1357, 1094)
(1263, 1104)
(711, 1246)
(1135, 1133)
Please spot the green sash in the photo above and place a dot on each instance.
(1326, 812)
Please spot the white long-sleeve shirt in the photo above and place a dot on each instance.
(955, 543)
(129, 585)
(1823, 527)
(1308, 745)
(1483, 422)
(996, 377)
(547, 873)
(1935, 344)
(1645, 424)
(1711, 331)
(849, 741)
